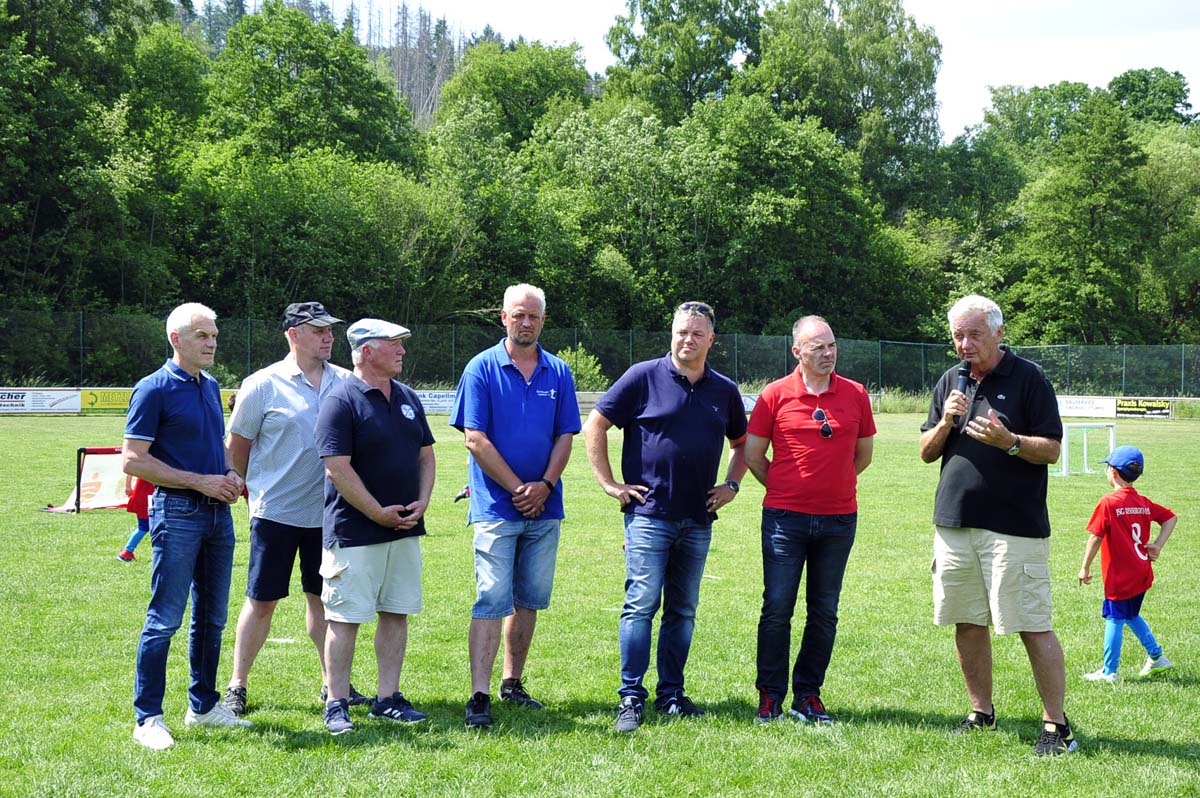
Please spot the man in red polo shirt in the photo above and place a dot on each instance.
(820, 430)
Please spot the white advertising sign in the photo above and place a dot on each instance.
(39, 400)
(436, 401)
(1087, 407)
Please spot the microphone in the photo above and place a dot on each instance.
(964, 373)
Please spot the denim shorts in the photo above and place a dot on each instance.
(514, 565)
(273, 549)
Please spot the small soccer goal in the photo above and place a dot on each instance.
(1075, 447)
(99, 481)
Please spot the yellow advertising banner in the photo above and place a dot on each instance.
(105, 399)
(108, 400)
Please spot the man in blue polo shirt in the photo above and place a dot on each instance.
(378, 453)
(676, 412)
(173, 438)
(517, 409)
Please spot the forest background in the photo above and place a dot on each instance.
(773, 160)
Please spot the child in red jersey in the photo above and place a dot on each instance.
(1120, 531)
(138, 491)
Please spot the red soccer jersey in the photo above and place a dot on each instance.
(139, 499)
(1122, 522)
(810, 473)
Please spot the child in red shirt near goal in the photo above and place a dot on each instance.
(138, 491)
(1120, 531)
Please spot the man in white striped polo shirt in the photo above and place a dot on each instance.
(271, 443)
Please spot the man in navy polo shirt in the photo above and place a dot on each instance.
(677, 413)
(173, 438)
(378, 453)
(517, 409)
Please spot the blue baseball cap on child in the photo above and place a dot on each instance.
(1128, 461)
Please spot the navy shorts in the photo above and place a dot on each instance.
(273, 548)
(1123, 609)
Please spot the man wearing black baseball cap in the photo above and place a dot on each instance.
(313, 313)
(271, 444)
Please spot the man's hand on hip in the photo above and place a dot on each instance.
(719, 496)
(627, 493)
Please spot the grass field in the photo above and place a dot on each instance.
(70, 615)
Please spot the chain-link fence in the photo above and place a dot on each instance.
(97, 349)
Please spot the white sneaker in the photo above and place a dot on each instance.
(1101, 676)
(219, 715)
(1154, 666)
(153, 733)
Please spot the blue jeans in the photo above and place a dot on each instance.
(192, 543)
(664, 562)
(789, 540)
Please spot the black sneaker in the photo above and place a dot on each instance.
(976, 721)
(680, 706)
(810, 710)
(1056, 738)
(398, 708)
(479, 711)
(513, 691)
(356, 698)
(337, 717)
(768, 708)
(630, 714)
(235, 700)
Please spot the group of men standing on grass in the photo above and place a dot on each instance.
(339, 469)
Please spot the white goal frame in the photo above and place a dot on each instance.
(1083, 428)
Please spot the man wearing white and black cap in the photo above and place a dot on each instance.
(378, 452)
(271, 445)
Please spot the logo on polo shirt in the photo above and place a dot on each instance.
(552, 393)
(408, 411)
(1001, 396)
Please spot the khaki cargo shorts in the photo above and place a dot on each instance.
(991, 579)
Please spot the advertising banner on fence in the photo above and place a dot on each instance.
(39, 400)
(105, 398)
(1087, 407)
(436, 401)
(1143, 408)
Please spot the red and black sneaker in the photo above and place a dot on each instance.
(768, 708)
(810, 710)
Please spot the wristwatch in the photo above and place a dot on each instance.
(733, 485)
(1016, 447)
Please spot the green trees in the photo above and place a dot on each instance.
(1170, 286)
(675, 53)
(284, 83)
(1078, 256)
(65, 187)
(521, 82)
(772, 163)
(867, 71)
(1153, 95)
